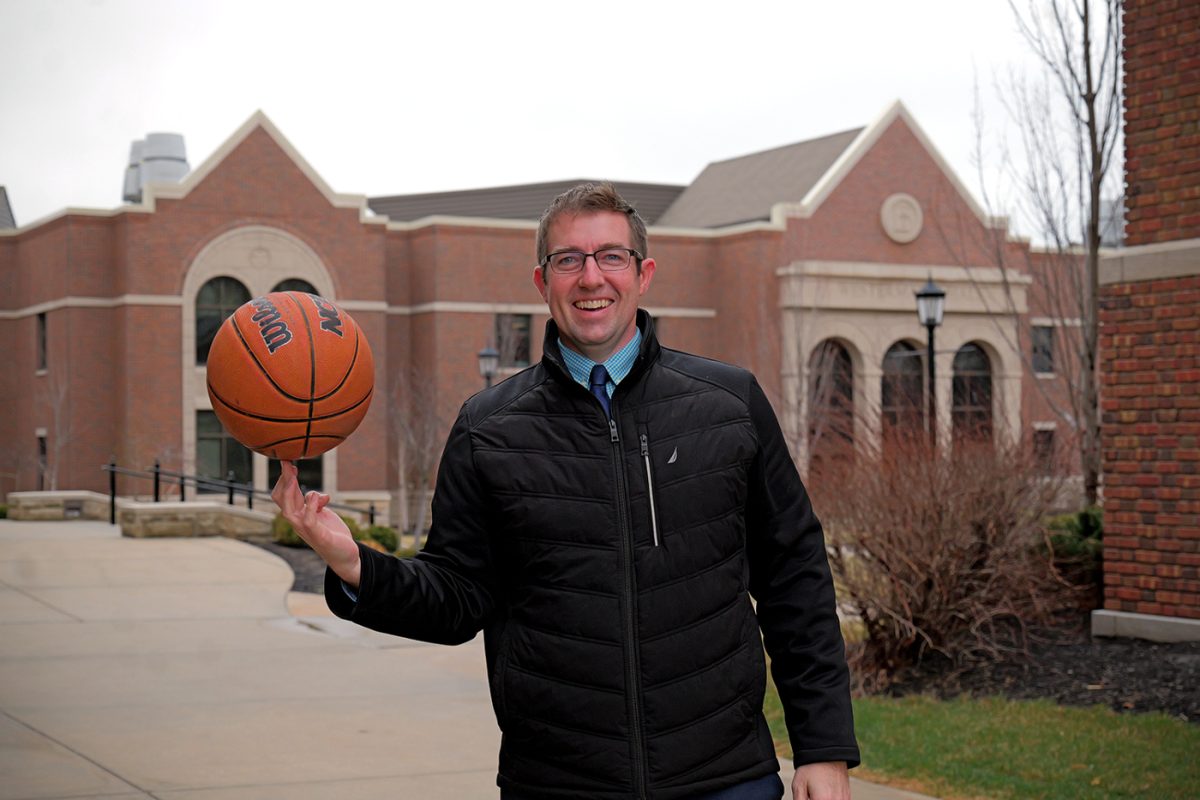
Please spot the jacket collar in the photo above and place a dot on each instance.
(647, 353)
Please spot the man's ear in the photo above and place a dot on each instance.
(645, 276)
(539, 280)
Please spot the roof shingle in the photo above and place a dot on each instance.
(525, 201)
(745, 188)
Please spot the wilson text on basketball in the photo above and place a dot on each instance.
(274, 330)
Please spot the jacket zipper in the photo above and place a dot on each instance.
(645, 440)
(631, 659)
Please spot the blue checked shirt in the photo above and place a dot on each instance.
(618, 364)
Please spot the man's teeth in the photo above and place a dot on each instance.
(589, 305)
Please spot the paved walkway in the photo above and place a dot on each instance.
(183, 669)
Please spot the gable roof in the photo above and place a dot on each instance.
(525, 201)
(745, 188)
(258, 120)
(795, 179)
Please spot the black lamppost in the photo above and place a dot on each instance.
(931, 304)
(489, 362)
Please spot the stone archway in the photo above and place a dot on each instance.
(260, 257)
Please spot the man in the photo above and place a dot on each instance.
(605, 517)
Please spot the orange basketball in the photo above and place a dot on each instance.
(290, 375)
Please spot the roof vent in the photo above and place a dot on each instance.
(159, 158)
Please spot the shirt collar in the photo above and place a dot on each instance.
(618, 364)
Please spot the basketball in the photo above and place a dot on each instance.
(290, 375)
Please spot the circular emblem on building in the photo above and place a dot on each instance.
(901, 217)
(260, 257)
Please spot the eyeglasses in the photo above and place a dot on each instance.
(610, 259)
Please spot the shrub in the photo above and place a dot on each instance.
(1076, 542)
(937, 554)
(355, 529)
(385, 536)
(283, 533)
(3, 511)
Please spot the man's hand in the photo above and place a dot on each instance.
(324, 531)
(829, 780)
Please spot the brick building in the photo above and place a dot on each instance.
(1150, 338)
(788, 261)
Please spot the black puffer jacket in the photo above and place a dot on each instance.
(611, 565)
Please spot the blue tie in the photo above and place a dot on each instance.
(598, 384)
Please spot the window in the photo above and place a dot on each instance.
(512, 339)
(1042, 343)
(902, 392)
(218, 453)
(295, 285)
(1043, 450)
(830, 404)
(41, 342)
(309, 474)
(43, 462)
(217, 299)
(971, 413)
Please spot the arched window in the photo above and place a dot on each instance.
(217, 299)
(830, 404)
(971, 413)
(902, 393)
(295, 285)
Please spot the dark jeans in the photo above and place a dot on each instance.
(765, 788)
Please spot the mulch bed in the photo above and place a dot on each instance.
(1127, 675)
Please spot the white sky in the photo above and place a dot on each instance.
(395, 97)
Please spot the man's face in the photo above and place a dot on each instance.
(596, 311)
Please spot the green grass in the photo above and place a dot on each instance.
(1032, 750)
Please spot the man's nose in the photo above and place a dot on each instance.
(590, 275)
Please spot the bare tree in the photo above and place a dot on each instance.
(1068, 130)
(420, 433)
(54, 406)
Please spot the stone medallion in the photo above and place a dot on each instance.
(901, 217)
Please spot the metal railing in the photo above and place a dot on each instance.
(230, 487)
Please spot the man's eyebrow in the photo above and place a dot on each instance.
(574, 248)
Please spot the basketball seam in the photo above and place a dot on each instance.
(309, 418)
(278, 442)
(312, 369)
(349, 369)
(253, 357)
(284, 392)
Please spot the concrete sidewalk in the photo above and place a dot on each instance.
(134, 668)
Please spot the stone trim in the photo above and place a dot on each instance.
(439, 306)
(75, 301)
(1151, 262)
(1126, 624)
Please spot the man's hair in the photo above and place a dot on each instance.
(590, 198)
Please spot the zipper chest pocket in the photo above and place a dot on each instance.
(645, 443)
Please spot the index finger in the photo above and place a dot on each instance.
(286, 493)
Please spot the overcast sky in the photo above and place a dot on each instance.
(394, 97)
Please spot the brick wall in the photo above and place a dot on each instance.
(127, 357)
(1150, 346)
(1162, 120)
